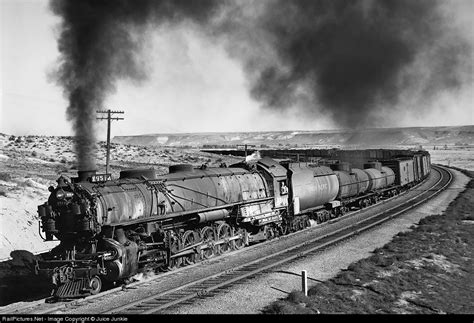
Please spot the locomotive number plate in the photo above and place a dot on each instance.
(97, 178)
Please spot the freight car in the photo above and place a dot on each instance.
(109, 230)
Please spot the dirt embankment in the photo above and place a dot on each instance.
(427, 270)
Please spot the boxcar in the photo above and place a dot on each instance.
(403, 168)
(425, 164)
(417, 160)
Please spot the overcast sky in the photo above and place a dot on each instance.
(194, 85)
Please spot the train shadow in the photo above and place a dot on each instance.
(18, 281)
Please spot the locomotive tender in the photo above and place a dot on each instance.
(109, 230)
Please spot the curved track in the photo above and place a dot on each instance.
(283, 250)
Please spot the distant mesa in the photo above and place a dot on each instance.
(377, 137)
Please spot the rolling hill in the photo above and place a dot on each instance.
(377, 137)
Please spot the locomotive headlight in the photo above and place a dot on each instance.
(60, 195)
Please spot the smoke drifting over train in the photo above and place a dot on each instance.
(349, 59)
(346, 59)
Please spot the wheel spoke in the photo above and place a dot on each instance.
(240, 242)
(224, 232)
(189, 238)
(208, 236)
(174, 248)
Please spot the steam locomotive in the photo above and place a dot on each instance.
(111, 229)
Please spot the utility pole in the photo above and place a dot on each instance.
(245, 146)
(109, 119)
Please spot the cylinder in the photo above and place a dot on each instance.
(213, 215)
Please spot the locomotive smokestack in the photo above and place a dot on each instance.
(84, 175)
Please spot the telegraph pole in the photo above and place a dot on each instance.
(109, 119)
(245, 146)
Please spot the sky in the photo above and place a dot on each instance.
(193, 85)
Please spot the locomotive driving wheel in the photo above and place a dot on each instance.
(189, 238)
(174, 248)
(294, 226)
(284, 229)
(240, 242)
(224, 232)
(175, 263)
(208, 237)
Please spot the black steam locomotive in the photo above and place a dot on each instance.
(109, 230)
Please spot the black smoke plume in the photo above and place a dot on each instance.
(100, 42)
(351, 58)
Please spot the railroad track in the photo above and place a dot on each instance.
(311, 242)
